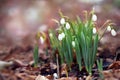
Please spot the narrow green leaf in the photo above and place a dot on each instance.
(35, 55)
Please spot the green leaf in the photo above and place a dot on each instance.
(35, 55)
(78, 54)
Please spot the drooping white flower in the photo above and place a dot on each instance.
(94, 17)
(94, 30)
(108, 28)
(55, 76)
(73, 43)
(41, 40)
(61, 36)
(50, 34)
(67, 25)
(113, 32)
(62, 21)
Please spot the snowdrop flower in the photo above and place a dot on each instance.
(61, 36)
(41, 40)
(73, 43)
(55, 76)
(113, 32)
(50, 34)
(109, 28)
(62, 21)
(94, 30)
(94, 17)
(67, 25)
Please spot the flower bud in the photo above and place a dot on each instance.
(73, 43)
(55, 76)
(50, 34)
(113, 32)
(62, 21)
(61, 36)
(67, 25)
(42, 40)
(94, 17)
(108, 28)
(94, 30)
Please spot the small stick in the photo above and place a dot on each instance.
(117, 53)
(58, 72)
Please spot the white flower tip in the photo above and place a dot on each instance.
(67, 25)
(62, 21)
(94, 17)
(50, 34)
(113, 32)
(55, 75)
(73, 43)
(42, 40)
(94, 30)
(108, 28)
(61, 36)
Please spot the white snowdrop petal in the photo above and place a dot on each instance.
(60, 37)
(41, 40)
(73, 43)
(67, 25)
(55, 75)
(109, 28)
(62, 21)
(94, 30)
(63, 35)
(94, 18)
(113, 32)
(50, 34)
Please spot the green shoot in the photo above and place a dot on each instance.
(100, 68)
(35, 55)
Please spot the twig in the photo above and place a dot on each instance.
(58, 72)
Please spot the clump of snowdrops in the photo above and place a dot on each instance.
(79, 38)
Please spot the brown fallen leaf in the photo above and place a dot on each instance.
(50, 77)
(89, 77)
(19, 63)
(24, 76)
(111, 74)
(53, 66)
(114, 65)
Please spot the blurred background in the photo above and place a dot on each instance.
(21, 19)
